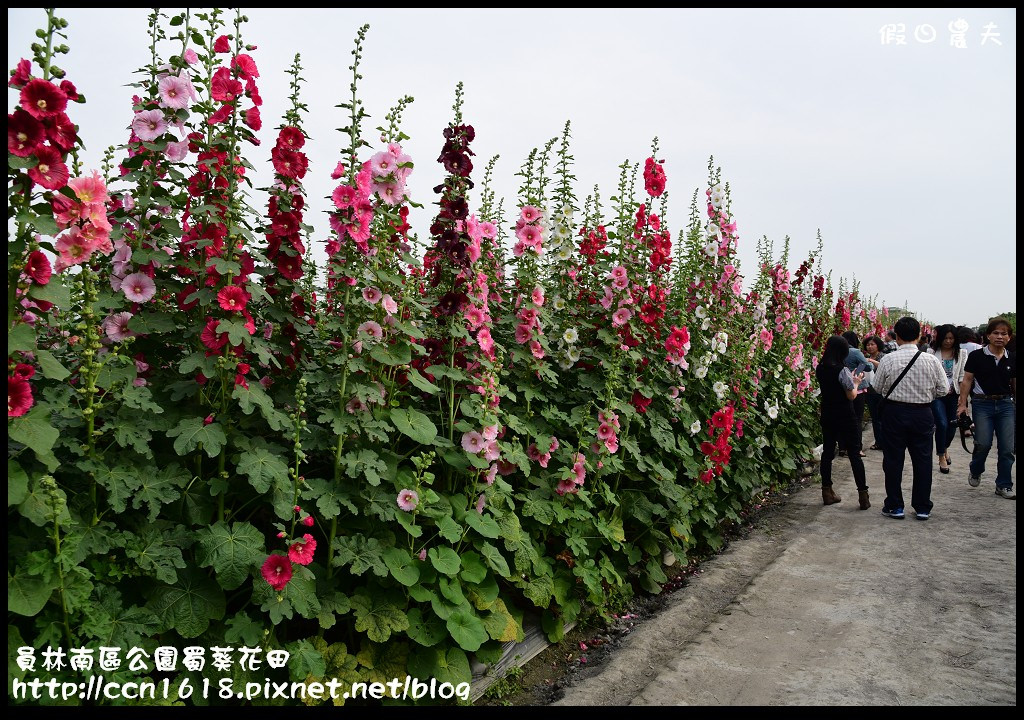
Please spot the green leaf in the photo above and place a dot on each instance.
(120, 482)
(451, 666)
(445, 560)
(539, 590)
(50, 366)
(305, 660)
(473, 569)
(494, 559)
(483, 594)
(398, 354)
(501, 625)
(417, 379)
(17, 483)
(39, 507)
(27, 594)
(189, 605)
(378, 616)
(467, 630)
(402, 566)
(263, 468)
(299, 595)
(160, 488)
(414, 424)
(361, 554)
(231, 551)
(152, 322)
(34, 431)
(483, 524)
(190, 432)
(449, 529)
(425, 627)
(22, 337)
(154, 554)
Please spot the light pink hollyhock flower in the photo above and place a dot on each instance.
(389, 304)
(357, 347)
(484, 340)
(149, 125)
(554, 444)
(491, 450)
(355, 405)
(390, 193)
(537, 296)
(141, 366)
(175, 92)
(116, 327)
(620, 283)
(673, 392)
(472, 442)
(190, 56)
(617, 272)
(480, 502)
(566, 486)
(490, 432)
(408, 500)
(383, 164)
(474, 317)
(140, 382)
(89, 188)
(536, 349)
(737, 287)
(612, 444)
(523, 334)
(372, 295)
(529, 213)
(492, 473)
(606, 301)
(488, 230)
(620, 317)
(138, 287)
(371, 329)
(176, 151)
(72, 249)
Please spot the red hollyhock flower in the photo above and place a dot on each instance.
(21, 75)
(51, 172)
(289, 163)
(42, 98)
(23, 371)
(252, 118)
(707, 476)
(277, 571)
(289, 266)
(640, 402)
(69, 89)
(19, 396)
(61, 131)
(182, 295)
(223, 87)
(24, 132)
(38, 267)
(301, 552)
(246, 66)
(221, 45)
(253, 92)
(211, 338)
(233, 298)
(221, 115)
(291, 138)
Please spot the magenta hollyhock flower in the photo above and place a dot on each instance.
(42, 99)
(372, 295)
(232, 298)
(21, 75)
(605, 431)
(523, 334)
(175, 91)
(246, 66)
(212, 339)
(308, 521)
(408, 500)
(25, 372)
(301, 552)
(138, 287)
(474, 317)
(277, 571)
(221, 45)
(252, 118)
(338, 171)
(50, 172)
(620, 317)
(484, 340)
(19, 396)
(24, 132)
(472, 442)
(37, 267)
(293, 139)
(116, 326)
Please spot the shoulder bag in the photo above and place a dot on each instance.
(883, 401)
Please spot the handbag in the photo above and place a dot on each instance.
(883, 401)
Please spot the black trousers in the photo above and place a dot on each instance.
(907, 428)
(839, 425)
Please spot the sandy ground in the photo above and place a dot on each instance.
(834, 606)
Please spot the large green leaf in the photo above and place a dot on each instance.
(414, 424)
(378, 615)
(190, 604)
(17, 483)
(445, 560)
(233, 551)
(473, 569)
(494, 559)
(154, 554)
(402, 566)
(417, 379)
(399, 353)
(27, 594)
(360, 554)
(190, 432)
(21, 337)
(467, 630)
(50, 366)
(483, 524)
(160, 488)
(35, 431)
(262, 467)
(425, 627)
(446, 665)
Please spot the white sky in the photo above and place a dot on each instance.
(903, 155)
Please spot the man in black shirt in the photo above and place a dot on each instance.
(990, 380)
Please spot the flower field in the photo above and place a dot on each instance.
(386, 461)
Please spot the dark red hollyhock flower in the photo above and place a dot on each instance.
(23, 371)
(285, 224)
(51, 172)
(289, 163)
(253, 92)
(289, 266)
(21, 75)
(42, 98)
(69, 89)
(291, 138)
(640, 402)
(38, 267)
(211, 338)
(451, 303)
(24, 132)
(61, 131)
(19, 396)
(221, 45)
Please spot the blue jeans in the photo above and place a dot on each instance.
(998, 417)
(944, 410)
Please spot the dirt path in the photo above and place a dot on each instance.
(837, 606)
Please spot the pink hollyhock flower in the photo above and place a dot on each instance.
(490, 432)
(138, 287)
(612, 444)
(537, 296)
(355, 405)
(371, 329)
(42, 99)
(423, 555)
(566, 486)
(606, 301)
(19, 396)
(472, 442)
(529, 213)
(480, 502)
(307, 521)
(620, 283)
(50, 171)
(72, 249)
(491, 450)
(90, 189)
(408, 500)
(190, 56)
(344, 196)
(617, 272)
(383, 164)
(24, 132)
(37, 267)
(605, 431)
(277, 571)
(484, 340)
(523, 334)
(475, 317)
(620, 317)
(531, 236)
(175, 91)
(116, 326)
(554, 444)
(221, 45)
(536, 349)
(338, 172)
(176, 151)
(389, 305)
(149, 125)
(223, 87)
(492, 474)
(301, 552)
(372, 295)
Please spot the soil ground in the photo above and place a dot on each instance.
(814, 605)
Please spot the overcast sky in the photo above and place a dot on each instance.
(903, 154)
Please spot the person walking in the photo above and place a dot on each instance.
(873, 352)
(838, 389)
(856, 363)
(909, 380)
(990, 381)
(947, 349)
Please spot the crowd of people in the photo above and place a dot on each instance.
(918, 389)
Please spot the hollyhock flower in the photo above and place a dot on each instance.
(570, 335)
(116, 326)
(37, 267)
(472, 442)
(529, 213)
(484, 340)
(277, 571)
(372, 329)
(492, 474)
(605, 431)
(537, 296)
(232, 298)
(252, 118)
(24, 132)
(190, 56)
(221, 45)
(307, 521)
(355, 405)
(338, 172)
(72, 249)
(21, 75)
(222, 114)
(138, 287)
(23, 371)
(606, 301)
(149, 125)
(372, 295)
(289, 163)
(246, 66)
(50, 172)
(90, 189)
(42, 99)
(566, 486)
(523, 333)
(536, 349)
(176, 151)
(211, 338)
(620, 317)
(301, 552)
(475, 317)
(408, 500)
(612, 444)
(389, 305)
(19, 396)
(695, 427)
(707, 476)
(175, 91)
(293, 139)
(491, 450)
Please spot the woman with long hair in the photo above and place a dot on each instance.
(838, 390)
(874, 349)
(946, 347)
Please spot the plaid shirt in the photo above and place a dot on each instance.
(925, 381)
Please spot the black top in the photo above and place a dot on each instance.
(833, 390)
(993, 377)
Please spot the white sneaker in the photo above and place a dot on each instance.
(1007, 493)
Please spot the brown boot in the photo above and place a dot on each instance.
(862, 495)
(829, 496)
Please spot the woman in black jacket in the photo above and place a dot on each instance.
(838, 421)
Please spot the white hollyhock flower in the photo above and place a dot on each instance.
(711, 248)
(788, 389)
(773, 412)
(558, 303)
(701, 372)
(695, 427)
(570, 335)
(564, 253)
